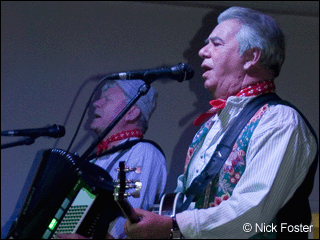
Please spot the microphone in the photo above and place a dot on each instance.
(179, 72)
(51, 131)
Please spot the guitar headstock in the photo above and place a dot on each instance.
(120, 195)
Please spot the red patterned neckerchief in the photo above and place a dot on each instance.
(103, 145)
(218, 104)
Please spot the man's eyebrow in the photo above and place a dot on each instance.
(213, 39)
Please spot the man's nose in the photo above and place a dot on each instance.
(204, 52)
(97, 103)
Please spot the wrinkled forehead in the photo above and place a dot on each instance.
(114, 90)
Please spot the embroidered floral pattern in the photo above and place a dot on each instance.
(258, 114)
(197, 140)
(218, 200)
(231, 172)
(234, 161)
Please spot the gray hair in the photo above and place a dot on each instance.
(258, 30)
(147, 103)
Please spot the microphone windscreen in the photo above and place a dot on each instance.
(189, 70)
(61, 131)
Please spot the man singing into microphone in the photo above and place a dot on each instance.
(114, 97)
(266, 180)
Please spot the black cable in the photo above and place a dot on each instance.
(85, 110)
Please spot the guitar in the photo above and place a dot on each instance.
(89, 223)
(169, 204)
(120, 195)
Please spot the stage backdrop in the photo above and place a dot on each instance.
(54, 53)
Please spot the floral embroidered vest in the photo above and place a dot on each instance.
(222, 185)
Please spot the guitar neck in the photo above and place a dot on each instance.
(121, 196)
(128, 211)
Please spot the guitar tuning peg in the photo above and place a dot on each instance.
(138, 169)
(134, 184)
(138, 186)
(135, 169)
(127, 181)
(132, 181)
(130, 186)
(135, 194)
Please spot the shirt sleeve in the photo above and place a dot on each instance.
(153, 177)
(279, 155)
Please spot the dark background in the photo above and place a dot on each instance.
(54, 53)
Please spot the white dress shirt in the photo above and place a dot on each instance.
(278, 157)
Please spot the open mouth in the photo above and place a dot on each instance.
(206, 68)
(97, 115)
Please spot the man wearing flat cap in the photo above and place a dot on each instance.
(114, 97)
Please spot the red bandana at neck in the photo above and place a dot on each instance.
(218, 104)
(118, 136)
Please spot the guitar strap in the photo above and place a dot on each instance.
(116, 159)
(225, 146)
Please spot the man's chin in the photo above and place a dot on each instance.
(93, 128)
(210, 88)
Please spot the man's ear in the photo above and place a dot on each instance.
(252, 57)
(133, 114)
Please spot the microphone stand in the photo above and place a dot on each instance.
(26, 141)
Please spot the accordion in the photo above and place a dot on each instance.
(62, 192)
